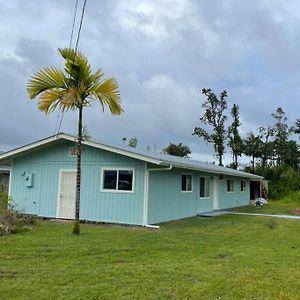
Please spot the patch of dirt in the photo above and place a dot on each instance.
(295, 211)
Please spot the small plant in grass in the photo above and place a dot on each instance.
(272, 224)
(11, 220)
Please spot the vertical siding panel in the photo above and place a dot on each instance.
(95, 205)
(235, 198)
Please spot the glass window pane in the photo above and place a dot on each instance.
(229, 185)
(183, 182)
(206, 187)
(125, 180)
(243, 186)
(202, 187)
(188, 182)
(110, 179)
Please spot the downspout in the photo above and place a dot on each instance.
(146, 193)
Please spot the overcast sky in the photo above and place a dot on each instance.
(162, 53)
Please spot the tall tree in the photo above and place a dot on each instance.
(291, 155)
(214, 117)
(267, 145)
(252, 147)
(281, 132)
(74, 89)
(235, 141)
(177, 150)
(296, 128)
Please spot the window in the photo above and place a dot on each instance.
(186, 183)
(204, 187)
(243, 186)
(229, 185)
(117, 180)
(221, 177)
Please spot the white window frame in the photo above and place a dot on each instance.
(207, 178)
(186, 191)
(243, 184)
(231, 191)
(103, 190)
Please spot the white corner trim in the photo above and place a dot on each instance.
(146, 188)
(146, 192)
(9, 182)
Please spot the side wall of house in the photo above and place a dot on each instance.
(167, 202)
(43, 168)
(236, 197)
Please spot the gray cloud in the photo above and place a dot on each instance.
(162, 53)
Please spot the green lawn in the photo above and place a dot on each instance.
(282, 206)
(225, 257)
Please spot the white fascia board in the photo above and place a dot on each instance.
(225, 171)
(63, 136)
(123, 152)
(28, 147)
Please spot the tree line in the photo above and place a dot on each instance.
(269, 146)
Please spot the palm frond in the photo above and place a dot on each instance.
(45, 79)
(76, 66)
(76, 88)
(107, 92)
(49, 100)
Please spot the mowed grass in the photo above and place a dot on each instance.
(225, 257)
(283, 206)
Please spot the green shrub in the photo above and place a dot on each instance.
(11, 220)
(282, 180)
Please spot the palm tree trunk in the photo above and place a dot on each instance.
(220, 160)
(235, 159)
(76, 227)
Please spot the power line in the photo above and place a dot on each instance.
(80, 25)
(73, 25)
(57, 129)
(60, 114)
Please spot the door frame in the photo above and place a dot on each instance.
(61, 171)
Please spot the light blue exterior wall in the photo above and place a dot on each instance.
(235, 198)
(167, 202)
(96, 205)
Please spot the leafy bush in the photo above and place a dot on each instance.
(282, 180)
(11, 220)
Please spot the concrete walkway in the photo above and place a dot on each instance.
(266, 215)
(213, 213)
(216, 213)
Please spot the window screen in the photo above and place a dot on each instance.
(186, 183)
(204, 187)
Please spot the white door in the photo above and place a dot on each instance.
(67, 195)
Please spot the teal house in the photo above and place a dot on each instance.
(119, 184)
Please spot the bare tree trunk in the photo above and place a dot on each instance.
(76, 227)
(235, 164)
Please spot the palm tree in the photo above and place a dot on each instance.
(73, 89)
